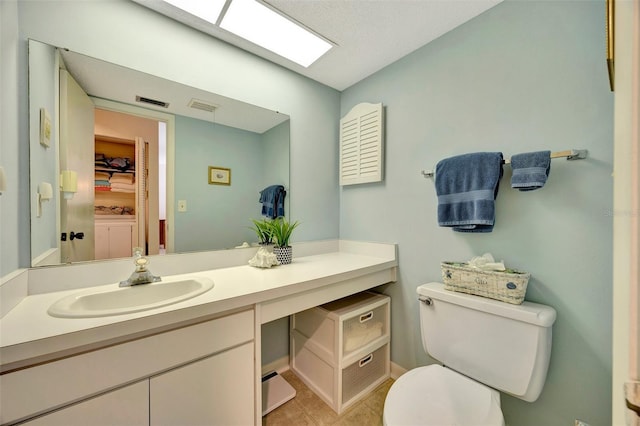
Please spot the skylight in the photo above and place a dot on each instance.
(208, 10)
(261, 25)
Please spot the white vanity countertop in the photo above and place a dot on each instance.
(28, 331)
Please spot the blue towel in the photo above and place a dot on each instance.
(530, 170)
(467, 186)
(272, 199)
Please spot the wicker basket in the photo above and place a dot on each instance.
(509, 286)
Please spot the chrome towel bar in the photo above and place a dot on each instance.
(571, 154)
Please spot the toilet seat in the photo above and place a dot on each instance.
(435, 395)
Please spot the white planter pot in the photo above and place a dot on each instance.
(284, 254)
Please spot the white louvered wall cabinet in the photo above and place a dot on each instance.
(362, 144)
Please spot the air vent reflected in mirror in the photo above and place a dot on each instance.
(152, 101)
(202, 105)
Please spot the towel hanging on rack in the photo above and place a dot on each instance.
(467, 186)
(530, 170)
(272, 199)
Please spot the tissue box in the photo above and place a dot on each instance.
(507, 286)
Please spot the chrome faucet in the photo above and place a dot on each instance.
(141, 275)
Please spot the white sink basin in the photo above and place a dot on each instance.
(115, 300)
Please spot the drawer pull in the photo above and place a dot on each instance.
(366, 360)
(366, 317)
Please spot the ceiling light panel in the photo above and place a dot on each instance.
(263, 26)
(208, 10)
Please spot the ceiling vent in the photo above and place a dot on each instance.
(152, 101)
(202, 105)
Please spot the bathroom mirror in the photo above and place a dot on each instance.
(141, 148)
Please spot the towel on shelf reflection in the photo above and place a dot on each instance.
(122, 178)
(467, 186)
(123, 187)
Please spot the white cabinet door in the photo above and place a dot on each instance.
(114, 240)
(102, 241)
(120, 240)
(218, 390)
(127, 406)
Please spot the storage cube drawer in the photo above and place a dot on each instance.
(357, 377)
(339, 387)
(345, 326)
(362, 329)
(341, 349)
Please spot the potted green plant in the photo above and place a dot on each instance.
(281, 230)
(263, 230)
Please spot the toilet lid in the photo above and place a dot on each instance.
(435, 395)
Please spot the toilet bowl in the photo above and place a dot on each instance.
(487, 346)
(435, 395)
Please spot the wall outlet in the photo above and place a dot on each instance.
(182, 205)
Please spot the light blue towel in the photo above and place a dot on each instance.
(272, 199)
(467, 186)
(530, 170)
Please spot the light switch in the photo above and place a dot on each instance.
(182, 205)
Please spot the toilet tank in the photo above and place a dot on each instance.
(502, 345)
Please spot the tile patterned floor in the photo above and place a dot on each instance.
(307, 409)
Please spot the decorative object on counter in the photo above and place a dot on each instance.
(467, 186)
(482, 276)
(264, 259)
(219, 176)
(281, 230)
(272, 199)
(263, 230)
(530, 170)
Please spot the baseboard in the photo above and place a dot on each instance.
(397, 371)
(280, 365)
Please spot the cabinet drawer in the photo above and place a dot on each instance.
(362, 329)
(338, 387)
(345, 326)
(359, 376)
(41, 388)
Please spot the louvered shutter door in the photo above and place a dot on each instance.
(361, 145)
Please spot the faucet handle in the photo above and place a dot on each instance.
(137, 252)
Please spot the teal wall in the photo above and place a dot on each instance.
(14, 145)
(523, 76)
(275, 159)
(43, 81)
(218, 216)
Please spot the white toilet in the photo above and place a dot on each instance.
(485, 345)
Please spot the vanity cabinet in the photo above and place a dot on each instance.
(213, 391)
(196, 373)
(125, 406)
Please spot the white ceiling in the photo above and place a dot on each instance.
(368, 34)
(105, 80)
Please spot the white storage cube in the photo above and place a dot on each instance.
(340, 349)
